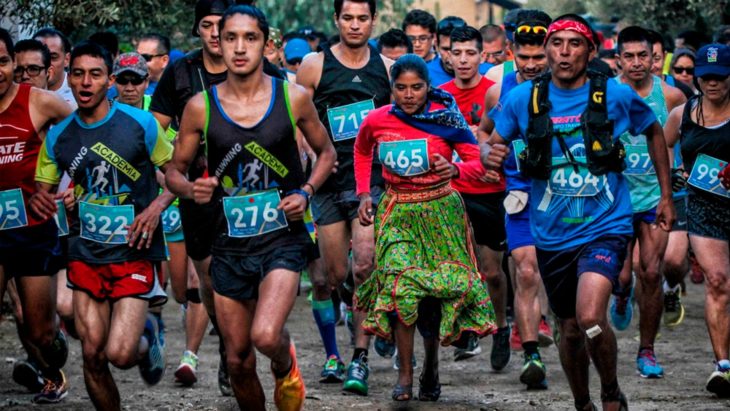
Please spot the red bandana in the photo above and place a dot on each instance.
(571, 25)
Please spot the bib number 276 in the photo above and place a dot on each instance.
(253, 214)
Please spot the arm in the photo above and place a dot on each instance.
(310, 72)
(47, 176)
(363, 153)
(46, 109)
(671, 135)
(471, 167)
(658, 151)
(486, 125)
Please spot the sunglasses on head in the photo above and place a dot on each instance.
(527, 29)
(135, 80)
(688, 70)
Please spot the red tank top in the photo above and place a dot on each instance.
(19, 147)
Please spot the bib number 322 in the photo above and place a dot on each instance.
(404, 158)
(105, 224)
(253, 214)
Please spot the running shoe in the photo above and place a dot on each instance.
(333, 371)
(152, 365)
(396, 361)
(515, 341)
(533, 372)
(647, 364)
(289, 392)
(719, 382)
(224, 381)
(161, 328)
(500, 349)
(472, 348)
(383, 347)
(673, 308)
(544, 334)
(26, 374)
(53, 391)
(186, 371)
(357, 378)
(622, 309)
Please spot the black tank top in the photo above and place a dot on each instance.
(341, 86)
(247, 160)
(696, 140)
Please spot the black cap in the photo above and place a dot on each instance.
(205, 8)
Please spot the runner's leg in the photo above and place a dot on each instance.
(653, 243)
(363, 262)
(124, 348)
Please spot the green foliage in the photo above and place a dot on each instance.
(556, 8)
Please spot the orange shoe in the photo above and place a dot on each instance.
(545, 334)
(289, 392)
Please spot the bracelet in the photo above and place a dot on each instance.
(310, 186)
(301, 193)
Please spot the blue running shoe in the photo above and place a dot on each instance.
(152, 366)
(160, 328)
(622, 309)
(647, 365)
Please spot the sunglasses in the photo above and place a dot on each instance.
(419, 39)
(715, 77)
(149, 57)
(136, 80)
(32, 70)
(688, 70)
(527, 29)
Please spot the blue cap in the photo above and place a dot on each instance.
(296, 48)
(713, 59)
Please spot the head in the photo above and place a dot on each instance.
(690, 39)
(713, 72)
(131, 78)
(635, 53)
(494, 44)
(466, 52)
(394, 43)
(527, 46)
(244, 33)
(510, 22)
(108, 40)
(155, 49)
(443, 38)
(7, 62)
(60, 48)
(89, 75)
(207, 16)
(355, 20)
(608, 56)
(32, 63)
(273, 51)
(410, 83)
(294, 52)
(683, 66)
(420, 27)
(658, 53)
(570, 45)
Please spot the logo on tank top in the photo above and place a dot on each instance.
(356, 79)
(11, 150)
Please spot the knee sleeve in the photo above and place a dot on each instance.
(193, 295)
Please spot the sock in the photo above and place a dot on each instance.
(723, 365)
(324, 315)
(360, 354)
(530, 347)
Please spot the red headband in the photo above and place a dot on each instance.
(571, 25)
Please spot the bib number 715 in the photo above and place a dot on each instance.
(253, 214)
(345, 121)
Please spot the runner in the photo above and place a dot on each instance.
(420, 27)
(529, 297)
(702, 126)
(33, 63)
(426, 267)
(248, 122)
(29, 248)
(394, 43)
(60, 48)
(495, 46)
(346, 81)
(110, 151)
(483, 200)
(581, 216)
(439, 69)
(155, 49)
(635, 57)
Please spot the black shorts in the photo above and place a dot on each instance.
(680, 208)
(330, 208)
(239, 277)
(31, 251)
(198, 221)
(486, 213)
(708, 217)
(560, 270)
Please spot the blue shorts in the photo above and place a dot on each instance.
(518, 230)
(648, 217)
(560, 270)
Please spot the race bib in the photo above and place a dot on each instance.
(12, 209)
(565, 181)
(253, 214)
(704, 175)
(61, 219)
(105, 224)
(405, 157)
(171, 220)
(518, 146)
(638, 161)
(344, 121)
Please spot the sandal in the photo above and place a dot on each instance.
(429, 390)
(403, 392)
(616, 396)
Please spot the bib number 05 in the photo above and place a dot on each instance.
(105, 224)
(253, 214)
(12, 209)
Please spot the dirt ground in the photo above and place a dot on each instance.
(469, 385)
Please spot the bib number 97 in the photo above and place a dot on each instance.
(638, 160)
(253, 214)
(105, 224)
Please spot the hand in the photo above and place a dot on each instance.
(474, 129)
(143, 227)
(365, 211)
(665, 214)
(43, 204)
(293, 206)
(679, 180)
(490, 176)
(203, 189)
(442, 167)
(493, 155)
(69, 200)
(724, 176)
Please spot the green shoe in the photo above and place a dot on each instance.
(357, 378)
(333, 371)
(533, 373)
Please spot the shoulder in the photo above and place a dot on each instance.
(312, 61)
(297, 94)
(449, 86)
(43, 98)
(141, 117)
(58, 129)
(619, 91)
(673, 95)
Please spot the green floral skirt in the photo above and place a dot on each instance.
(424, 248)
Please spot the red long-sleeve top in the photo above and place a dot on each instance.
(381, 126)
